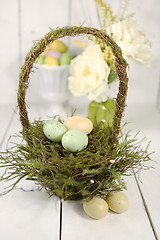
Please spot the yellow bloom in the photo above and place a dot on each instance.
(106, 13)
(109, 57)
(81, 44)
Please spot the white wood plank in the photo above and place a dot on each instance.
(147, 120)
(132, 224)
(84, 13)
(6, 116)
(9, 61)
(38, 17)
(27, 214)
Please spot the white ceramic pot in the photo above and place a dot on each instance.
(54, 82)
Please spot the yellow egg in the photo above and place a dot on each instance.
(79, 122)
(96, 207)
(50, 61)
(59, 46)
(117, 202)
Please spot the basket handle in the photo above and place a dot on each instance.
(41, 45)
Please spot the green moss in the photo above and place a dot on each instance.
(72, 175)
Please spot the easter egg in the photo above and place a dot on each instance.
(65, 58)
(40, 59)
(54, 130)
(75, 140)
(53, 53)
(117, 202)
(95, 208)
(58, 45)
(79, 122)
(50, 61)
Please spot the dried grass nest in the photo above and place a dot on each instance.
(96, 170)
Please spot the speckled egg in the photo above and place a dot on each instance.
(75, 140)
(65, 58)
(96, 208)
(54, 130)
(50, 61)
(117, 202)
(58, 45)
(79, 122)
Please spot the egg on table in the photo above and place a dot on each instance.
(117, 202)
(75, 140)
(79, 122)
(54, 130)
(96, 208)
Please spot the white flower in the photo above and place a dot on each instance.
(132, 40)
(88, 74)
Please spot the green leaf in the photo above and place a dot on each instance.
(112, 76)
(36, 164)
(103, 111)
(87, 171)
(71, 181)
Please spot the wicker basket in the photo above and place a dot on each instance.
(78, 185)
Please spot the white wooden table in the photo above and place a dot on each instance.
(32, 215)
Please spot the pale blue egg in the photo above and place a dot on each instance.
(75, 140)
(54, 130)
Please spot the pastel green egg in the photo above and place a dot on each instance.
(75, 140)
(65, 58)
(54, 130)
(40, 59)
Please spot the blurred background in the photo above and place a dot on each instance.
(24, 21)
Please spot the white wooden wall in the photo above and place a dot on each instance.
(23, 21)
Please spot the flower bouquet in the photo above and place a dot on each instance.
(93, 73)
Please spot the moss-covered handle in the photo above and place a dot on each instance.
(40, 46)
